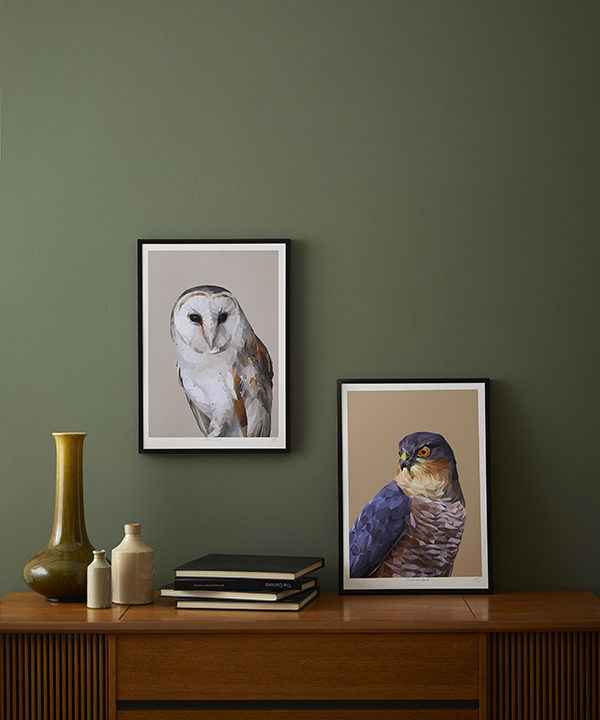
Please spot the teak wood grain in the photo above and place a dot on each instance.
(329, 612)
(535, 611)
(506, 655)
(298, 667)
(298, 715)
(29, 612)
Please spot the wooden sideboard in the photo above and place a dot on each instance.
(439, 657)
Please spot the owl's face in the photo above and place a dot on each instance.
(205, 319)
(426, 466)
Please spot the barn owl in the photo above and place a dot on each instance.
(224, 369)
(414, 525)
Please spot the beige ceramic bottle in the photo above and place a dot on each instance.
(132, 564)
(98, 581)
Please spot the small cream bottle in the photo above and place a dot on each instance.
(132, 569)
(98, 581)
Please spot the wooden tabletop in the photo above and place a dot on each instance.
(30, 612)
(330, 612)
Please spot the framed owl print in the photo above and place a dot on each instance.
(413, 484)
(213, 345)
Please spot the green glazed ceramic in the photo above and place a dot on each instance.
(59, 571)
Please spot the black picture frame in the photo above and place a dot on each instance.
(173, 402)
(374, 416)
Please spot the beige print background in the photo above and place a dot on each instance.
(252, 277)
(378, 420)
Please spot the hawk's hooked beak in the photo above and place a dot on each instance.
(405, 461)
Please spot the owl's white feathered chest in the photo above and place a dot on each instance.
(208, 382)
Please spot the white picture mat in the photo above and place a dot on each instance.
(165, 442)
(480, 581)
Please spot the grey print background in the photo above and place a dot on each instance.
(251, 275)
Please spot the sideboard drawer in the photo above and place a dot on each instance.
(298, 715)
(311, 666)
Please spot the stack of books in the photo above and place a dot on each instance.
(245, 582)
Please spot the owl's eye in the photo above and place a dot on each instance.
(195, 318)
(424, 451)
(222, 317)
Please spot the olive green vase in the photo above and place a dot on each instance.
(59, 571)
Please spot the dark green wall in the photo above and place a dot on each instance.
(436, 165)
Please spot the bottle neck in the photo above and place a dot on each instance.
(69, 521)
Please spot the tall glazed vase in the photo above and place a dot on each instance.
(59, 571)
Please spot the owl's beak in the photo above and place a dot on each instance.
(209, 336)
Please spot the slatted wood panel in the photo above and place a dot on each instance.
(52, 676)
(544, 676)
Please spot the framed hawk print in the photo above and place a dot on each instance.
(213, 345)
(413, 486)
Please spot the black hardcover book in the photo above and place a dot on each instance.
(267, 567)
(297, 602)
(263, 595)
(238, 584)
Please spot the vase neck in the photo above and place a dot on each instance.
(69, 521)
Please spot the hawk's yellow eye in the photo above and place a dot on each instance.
(424, 451)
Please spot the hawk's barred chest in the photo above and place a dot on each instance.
(428, 547)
